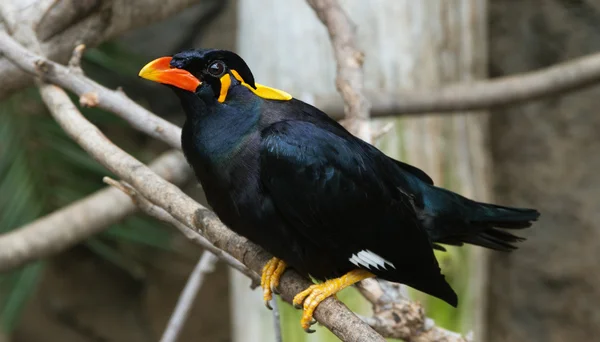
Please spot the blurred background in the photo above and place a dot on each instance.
(122, 284)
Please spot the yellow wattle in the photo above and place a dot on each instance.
(262, 90)
(225, 83)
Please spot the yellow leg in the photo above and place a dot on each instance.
(310, 298)
(269, 281)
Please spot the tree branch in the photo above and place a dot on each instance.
(89, 22)
(559, 79)
(110, 100)
(396, 317)
(160, 214)
(349, 61)
(74, 223)
(205, 265)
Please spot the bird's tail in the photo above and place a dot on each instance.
(486, 220)
(480, 224)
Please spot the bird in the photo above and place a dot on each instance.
(323, 202)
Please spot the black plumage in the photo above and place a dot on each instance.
(294, 181)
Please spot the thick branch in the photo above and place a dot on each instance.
(90, 22)
(331, 313)
(72, 224)
(559, 79)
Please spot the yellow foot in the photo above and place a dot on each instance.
(310, 298)
(269, 281)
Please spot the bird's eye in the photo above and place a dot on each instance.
(216, 69)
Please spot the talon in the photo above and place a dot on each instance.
(310, 298)
(269, 280)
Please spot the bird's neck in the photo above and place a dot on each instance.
(216, 130)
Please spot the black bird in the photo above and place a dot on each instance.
(292, 180)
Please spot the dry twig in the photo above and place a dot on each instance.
(560, 79)
(60, 25)
(205, 265)
(349, 61)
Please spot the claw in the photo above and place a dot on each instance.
(269, 280)
(310, 298)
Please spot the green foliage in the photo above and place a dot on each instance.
(42, 169)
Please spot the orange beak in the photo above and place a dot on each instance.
(159, 70)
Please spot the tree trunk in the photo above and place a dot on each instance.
(407, 44)
(547, 155)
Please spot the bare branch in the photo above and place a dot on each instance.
(114, 101)
(276, 320)
(74, 223)
(396, 317)
(91, 22)
(205, 265)
(349, 61)
(560, 79)
(160, 214)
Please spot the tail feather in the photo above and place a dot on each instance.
(486, 220)
(455, 220)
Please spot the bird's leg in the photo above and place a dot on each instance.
(310, 298)
(269, 281)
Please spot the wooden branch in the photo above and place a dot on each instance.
(160, 214)
(560, 79)
(78, 221)
(349, 61)
(110, 100)
(89, 22)
(205, 265)
(396, 317)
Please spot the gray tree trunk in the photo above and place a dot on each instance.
(547, 155)
(407, 44)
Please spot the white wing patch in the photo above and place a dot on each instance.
(369, 260)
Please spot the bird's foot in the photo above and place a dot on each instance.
(310, 298)
(269, 281)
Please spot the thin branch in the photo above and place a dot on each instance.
(560, 79)
(160, 214)
(110, 100)
(71, 22)
(276, 320)
(205, 265)
(78, 221)
(331, 313)
(349, 61)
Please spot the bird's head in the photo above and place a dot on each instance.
(216, 71)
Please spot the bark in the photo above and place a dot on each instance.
(90, 22)
(547, 155)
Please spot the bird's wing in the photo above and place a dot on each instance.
(342, 196)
